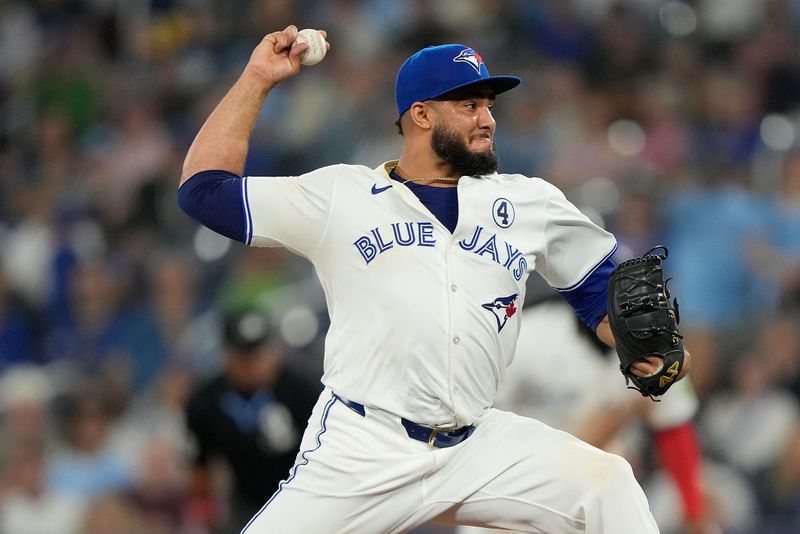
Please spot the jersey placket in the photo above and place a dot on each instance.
(454, 340)
(451, 291)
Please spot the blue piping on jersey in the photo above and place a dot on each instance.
(248, 221)
(587, 275)
(323, 428)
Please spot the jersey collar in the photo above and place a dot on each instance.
(384, 168)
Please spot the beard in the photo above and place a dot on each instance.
(449, 146)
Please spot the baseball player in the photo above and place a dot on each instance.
(424, 262)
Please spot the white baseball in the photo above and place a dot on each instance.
(317, 47)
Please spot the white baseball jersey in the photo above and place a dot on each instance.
(423, 322)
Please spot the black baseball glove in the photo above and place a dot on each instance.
(644, 322)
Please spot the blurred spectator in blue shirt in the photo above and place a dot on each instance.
(85, 467)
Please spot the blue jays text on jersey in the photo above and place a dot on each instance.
(405, 234)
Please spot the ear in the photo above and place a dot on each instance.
(420, 115)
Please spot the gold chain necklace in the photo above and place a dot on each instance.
(445, 179)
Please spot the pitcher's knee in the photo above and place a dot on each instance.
(612, 500)
(622, 471)
(608, 473)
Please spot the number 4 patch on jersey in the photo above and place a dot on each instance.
(503, 212)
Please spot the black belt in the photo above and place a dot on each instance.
(432, 436)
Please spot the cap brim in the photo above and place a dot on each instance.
(498, 84)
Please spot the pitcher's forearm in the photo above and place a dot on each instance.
(223, 140)
(222, 143)
(603, 332)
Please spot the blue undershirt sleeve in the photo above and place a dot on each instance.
(214, 199)
(590, 298)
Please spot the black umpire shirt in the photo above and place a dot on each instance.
(258, 434)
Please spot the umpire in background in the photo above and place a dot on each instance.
(251, 416)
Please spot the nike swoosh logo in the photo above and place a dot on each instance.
(376, 189)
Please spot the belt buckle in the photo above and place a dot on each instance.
(432, 438)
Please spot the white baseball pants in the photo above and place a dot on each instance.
(363, 475)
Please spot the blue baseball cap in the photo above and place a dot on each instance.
(437, 70)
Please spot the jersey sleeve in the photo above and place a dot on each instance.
(574, 246)
(590, 298)
(214, 199)
(289, 211)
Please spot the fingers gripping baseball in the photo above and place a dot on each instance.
(275, 59)
(647, 366)
(652, 364)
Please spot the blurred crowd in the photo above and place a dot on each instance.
(664, 120)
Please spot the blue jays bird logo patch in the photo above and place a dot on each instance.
(470, 57)
(502, 308)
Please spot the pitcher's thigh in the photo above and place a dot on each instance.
(294, 511)
(351, 476)
(539, 479)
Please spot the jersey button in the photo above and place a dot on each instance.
(456, 340)
(453, 288)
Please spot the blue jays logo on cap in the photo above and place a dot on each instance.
(502, 308)
(471, 57)
(437, 70)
